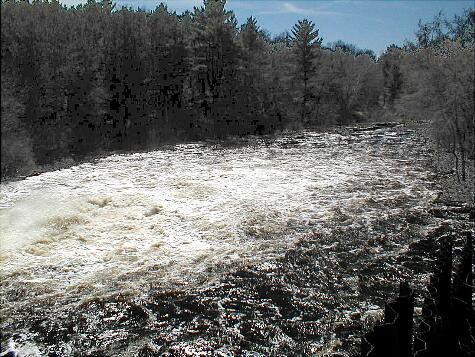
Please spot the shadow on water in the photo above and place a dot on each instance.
(318, 298)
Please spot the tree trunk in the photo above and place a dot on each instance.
(454, 152)
(304, 102)
(462, 157)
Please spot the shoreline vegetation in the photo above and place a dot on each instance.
(443, 165)
(68, 162)
(79, 83)
(441, 162)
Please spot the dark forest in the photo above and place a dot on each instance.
(93, 78)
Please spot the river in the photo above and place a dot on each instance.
(281, 245)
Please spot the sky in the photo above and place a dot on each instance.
(372, 24)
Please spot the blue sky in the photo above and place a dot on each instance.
(373, 24)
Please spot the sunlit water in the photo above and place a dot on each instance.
(81, 247)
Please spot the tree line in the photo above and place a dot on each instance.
(89, 78)
(433, 79)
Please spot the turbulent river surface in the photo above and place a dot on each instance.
(282, 245)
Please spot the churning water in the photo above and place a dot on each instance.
(258, 245)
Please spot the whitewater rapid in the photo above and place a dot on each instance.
(183, 217)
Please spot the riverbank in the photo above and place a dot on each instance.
(70, 161)
(451, 189)
(443, 164)
(67, 162)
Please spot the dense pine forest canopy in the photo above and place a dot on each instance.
(92, 78)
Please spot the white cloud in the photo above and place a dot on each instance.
(292, 8)
(289, 7)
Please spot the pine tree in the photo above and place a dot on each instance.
(305, 40)
(252, 60)
(215, 60)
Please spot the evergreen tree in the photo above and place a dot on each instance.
(252, 60)
(168, 69)
(215, 62)
(305, 40)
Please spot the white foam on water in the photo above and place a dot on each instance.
(188, 215)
